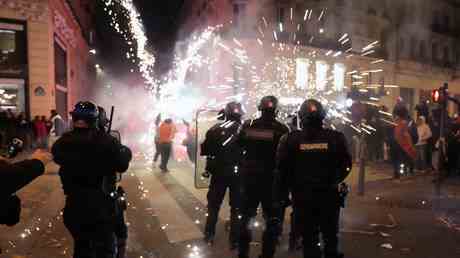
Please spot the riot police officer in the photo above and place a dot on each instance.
(118, 193)
(223, 157)
(87, 156)
(259, 139)
(311, 164)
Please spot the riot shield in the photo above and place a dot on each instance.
(204, 120)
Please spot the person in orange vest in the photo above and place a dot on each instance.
(166, 133)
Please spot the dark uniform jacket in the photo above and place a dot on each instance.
(312, 159)
(220, 146)
(259, 139)
(87, 158)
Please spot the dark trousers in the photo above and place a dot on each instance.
(319, 211)
(165, 150)
(258, 192)
(157, 151)
(121, 233)
(92, 240)
(89, 215)
(401, 158)
(221, 180)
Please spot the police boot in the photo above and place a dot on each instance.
(210, 227)
(121, 249)
(235, 226)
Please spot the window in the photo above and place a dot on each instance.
(408, 96)
(413, 50)
(281, 13)
(60, 73)
(322, 69)
(446, 56)
(401, 46)
(371, 11)
(436, 18)
(12, 95)
(422, 50)
(239, 12)
(434, 52)
(446, 23)
(13, 50)
(236, 13)
(60, 65)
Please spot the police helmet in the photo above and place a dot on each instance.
(86, 111)
(311, 112)
(233, 111)
(268, 104)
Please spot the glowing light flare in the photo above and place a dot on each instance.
(322, 69)
(339, 77)
(260, 42)
(306, 15)
(343, 36)
(321, 15)
(302, 75)
(368, 53)
(378, 61)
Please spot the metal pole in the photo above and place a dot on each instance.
(442, 128)
(362, 166)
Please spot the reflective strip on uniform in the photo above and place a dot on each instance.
(314, 146)
(260, 134)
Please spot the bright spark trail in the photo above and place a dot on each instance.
(278, 74)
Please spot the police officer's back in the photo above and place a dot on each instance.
(87, 156)
(223, 157)
(312, 162)
(259, 139)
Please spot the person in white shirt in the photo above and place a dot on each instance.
(424, 134)
(58, 128)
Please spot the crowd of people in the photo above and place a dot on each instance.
(409, 143)
(38, 132)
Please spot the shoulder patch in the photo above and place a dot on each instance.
(314, 146)
(260, 134)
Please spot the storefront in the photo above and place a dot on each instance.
(13, 65)
(44, 55)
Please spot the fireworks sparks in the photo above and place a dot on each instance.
(290, 70)
(136, 33)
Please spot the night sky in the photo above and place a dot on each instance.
(161, 21)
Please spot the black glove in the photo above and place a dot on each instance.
(206, 174)
(10, 214)
(343, 192)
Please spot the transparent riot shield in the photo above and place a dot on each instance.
(205, 119)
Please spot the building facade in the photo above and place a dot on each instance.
(418, 41)
(44, 55)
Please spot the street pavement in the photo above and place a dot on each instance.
(395, 218)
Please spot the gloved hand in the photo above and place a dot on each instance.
(206, 174)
